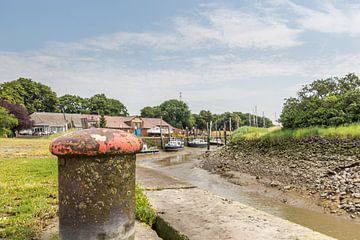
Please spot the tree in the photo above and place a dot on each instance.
(100, 103)
(102, 123)
(33, 95)
(7, 121)
(151, 112)
(72, 104)
(20, 113)
(176, 113)
(324, 102)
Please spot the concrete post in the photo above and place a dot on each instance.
(96, 184)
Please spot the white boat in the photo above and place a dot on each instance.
(174, 145)
(197, 143)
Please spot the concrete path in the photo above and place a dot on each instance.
(142, 232)
(198, 214)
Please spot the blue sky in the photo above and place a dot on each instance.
(222, 55)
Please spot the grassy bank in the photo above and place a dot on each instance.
(28, 189)
(248, 133)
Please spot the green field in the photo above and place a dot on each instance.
(28, 189)
(248, 133)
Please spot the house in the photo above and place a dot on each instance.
(47, 123)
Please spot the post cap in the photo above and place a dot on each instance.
(96, 142)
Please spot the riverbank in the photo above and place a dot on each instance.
(185, 211)
(327, 170)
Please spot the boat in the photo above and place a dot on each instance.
(197, 143)
(146, 149)
(174, 145)
(217, 141)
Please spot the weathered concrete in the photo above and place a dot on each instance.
(96, 184)
(198, 214)
(142, 232)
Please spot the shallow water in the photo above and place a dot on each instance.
(183, 167)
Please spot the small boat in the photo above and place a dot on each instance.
(145, 149)
(197, 143)
(217, 141)
(174, 145)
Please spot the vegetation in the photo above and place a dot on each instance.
(28, 189)
(20, 113)
(175, 112)
(102, 123)
(7, 122)
(38, 97)
(33, 95)
(325, 102)
(275, 133)
(144, 211)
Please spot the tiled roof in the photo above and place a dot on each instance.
(61, 119)
(152, 122)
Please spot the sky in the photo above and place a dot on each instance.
(221, 55)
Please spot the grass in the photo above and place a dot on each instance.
(247, 133)
(28, 188)
(144, 212)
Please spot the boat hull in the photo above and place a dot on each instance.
(197, 145)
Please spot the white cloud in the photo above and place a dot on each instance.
(329, 18)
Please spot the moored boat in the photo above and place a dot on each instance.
(197, 143)
(146, 149)
(174, 145)
(217, 141)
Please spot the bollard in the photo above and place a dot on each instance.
(96, 184)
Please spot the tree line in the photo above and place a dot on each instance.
(23, 96)
(178, 114)
(324, 102)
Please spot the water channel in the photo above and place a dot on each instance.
(183, 166)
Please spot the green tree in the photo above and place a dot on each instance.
(72, 104)
(150, 112)
(176, 113)
(33, 95)
(100, 103)
(7, 122)
(324, 102)
(102, 123)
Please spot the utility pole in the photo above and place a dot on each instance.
(249, 119)
(180, 96)
(275, 117)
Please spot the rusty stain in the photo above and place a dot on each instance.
(96, 141)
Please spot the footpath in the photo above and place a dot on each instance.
(187, 212)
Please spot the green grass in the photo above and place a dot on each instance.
(28, 189)
(144, 212)
(28, 202)
(247, 133)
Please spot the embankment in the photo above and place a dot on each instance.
(327, 169)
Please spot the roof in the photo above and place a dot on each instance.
(119, 122)
(152, 122)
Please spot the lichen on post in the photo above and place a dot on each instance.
(96, 184)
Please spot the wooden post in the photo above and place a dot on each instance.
(169, 133)
(161, 136)
(225, 137)
(208, 135)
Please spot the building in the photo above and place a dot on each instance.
(47, 123)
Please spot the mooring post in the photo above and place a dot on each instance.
(96, 184)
